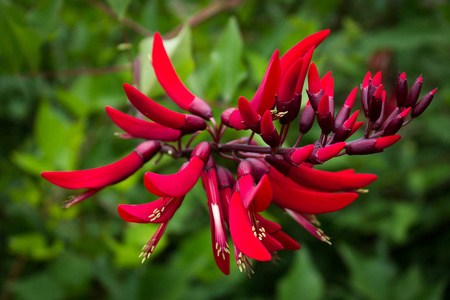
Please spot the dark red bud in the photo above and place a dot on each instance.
(401, 90)
(307, 118)
(324, 115)
(244, 168)
(391, 117)
(395, 124)
(314, 79)
(423, 104)
(268, 132)
(380, 119)
(224, 177)
(414, 92)
(375, 104)
(259, 168)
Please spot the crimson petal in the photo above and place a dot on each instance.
(242, 233)
(106, 175)
(172, 84)
(158, 211)
(142, 129)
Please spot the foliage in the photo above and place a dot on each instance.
(62, 62)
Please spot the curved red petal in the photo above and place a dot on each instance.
(158, 211)
(288, 194)
(263, 194)
(103, 176)
(269, 226)
(301, 77)
(329, 181)
(286, 241)
(264, 98)
(235, 120)
(175, 185)
(289, 81)
(242, 233)
(142, 129)
(271, 243)
(300, 49)
(172, 84)
(247, 112)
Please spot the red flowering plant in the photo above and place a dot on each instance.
(267, 172)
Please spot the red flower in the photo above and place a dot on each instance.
(96, 179)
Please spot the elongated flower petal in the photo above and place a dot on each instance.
(172, 84)
(264, 98)
(286, 241)
(263, 194)
(268, 131)
(142, 129)
(178, 184)
(158, 211)
(288, 194)
(106, 175)
(300, 49)
(162, 115)
(289, 81)
(242, 233)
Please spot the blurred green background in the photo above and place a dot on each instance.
(63, 61)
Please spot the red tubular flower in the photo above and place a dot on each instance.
(394, 125)
(345, 129)
(261, 195)
(301, 48)
(325, 115)
(249, 115)
(268, 131)
(375, 104)
(243, 231)
(344, 112)
(221, 249)
(401, 90)
(414, 92)
(288, 100)
(137, 128)
(369, 146)
(365, 93)
(158, 211)
(172, 84)
(185, 179)
(264, 98)
(96, 179)
(423, 104)
(288, 194)
(323, 180)
(162, 115)
(316, 232)
(321, 155)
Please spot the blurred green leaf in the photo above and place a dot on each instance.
(34, 246)
(80, 271)
(372, 277)
(179, 50)
(40, 286)
(303, 281)
(119, 7)
(228, 70)
(45, 17)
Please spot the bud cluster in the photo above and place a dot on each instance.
(270, 173)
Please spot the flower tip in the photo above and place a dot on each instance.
(434, 91)
(387, 141)
(402, 76)
(376, 81)
(331, 151)
(202, 150)
(302, 154)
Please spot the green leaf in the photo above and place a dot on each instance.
(179, 50)
(80, 271)
(40, 286)
(119, 7)
(303, 280)
(34, 245)
(228, 71)
(372, 277)
(45, 17)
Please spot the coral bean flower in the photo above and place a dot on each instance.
(271, 172)
(96, 179)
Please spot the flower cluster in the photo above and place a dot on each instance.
(271, 173)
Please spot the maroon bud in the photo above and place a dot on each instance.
(344, 112)
(376, 104)
(324, 115)
(202, 150)
(251, 118)
(280, 165)
(344, 131)
(401, 90)
(423, 104)
(306, 118)
(314, 79)
(414, 92)
(244, 168)
(380, 119)
(365, 93)
(291, 108)
(370, 146)
(356, 127)
(395, 124)
(268, 132)
(224, 177)
(225, 116)
(391, 117)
